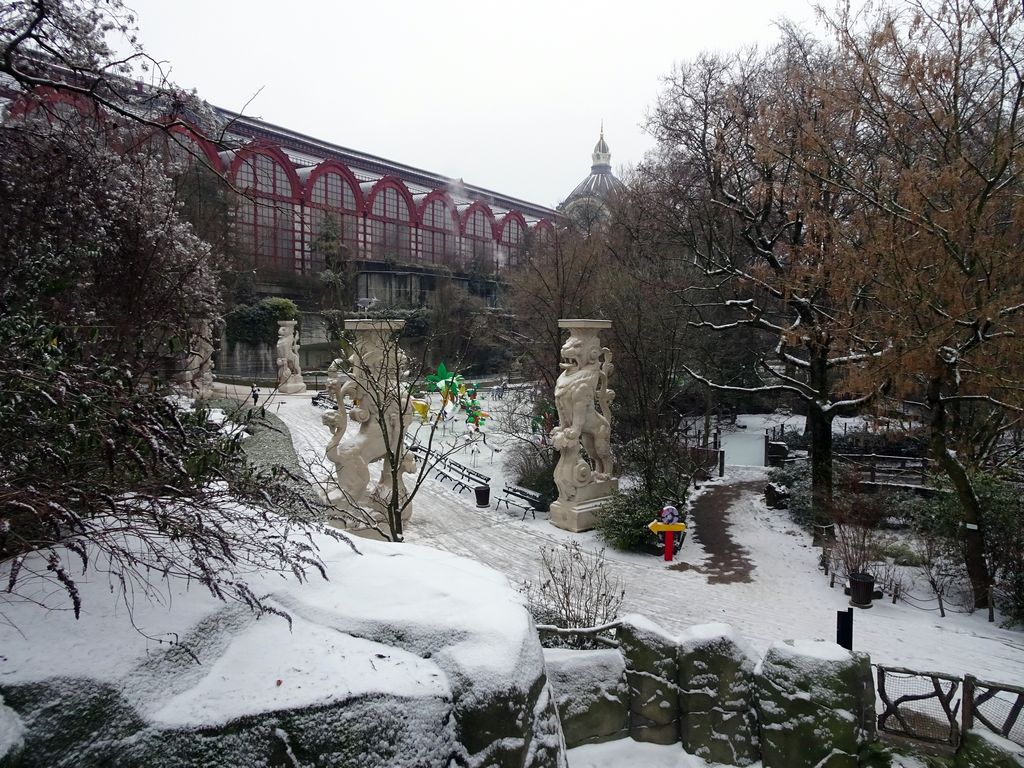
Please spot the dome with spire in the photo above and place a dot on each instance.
(592, 193)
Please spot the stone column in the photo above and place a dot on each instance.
(583, 401)
(381, 406)
(289, 373)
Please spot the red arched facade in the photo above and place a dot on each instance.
(334, 209)
(194, 146)
(479, 246)
(267, 207)
(288, 220)
(390, 221)
(511, 239)
(439, 228)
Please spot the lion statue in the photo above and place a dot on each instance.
(586, 366)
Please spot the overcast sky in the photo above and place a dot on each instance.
(508, 96)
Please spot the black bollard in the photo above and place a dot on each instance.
(844, 628)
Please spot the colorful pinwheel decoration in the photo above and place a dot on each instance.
(448, 383)
(474, 413)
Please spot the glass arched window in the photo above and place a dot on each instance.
(478, 241)
(333, 220)
(388, 233)
(512, 236)
(438, 233)
(265, 213)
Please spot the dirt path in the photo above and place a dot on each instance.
(727, 562)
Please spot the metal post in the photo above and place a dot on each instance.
(844, 628)
(721, 463)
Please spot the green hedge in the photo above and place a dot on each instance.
(256, 324)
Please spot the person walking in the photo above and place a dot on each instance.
(255, 395)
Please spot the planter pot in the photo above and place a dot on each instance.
(862, 589)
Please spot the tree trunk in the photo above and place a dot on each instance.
(970, 506)
(821, 464)
(708, 405)
(820, 424)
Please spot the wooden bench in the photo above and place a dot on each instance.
(532, 499)
(469, 474)
(458, 483)
(509, 504)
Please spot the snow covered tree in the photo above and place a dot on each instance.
(859, 200)
(762, 227)
(935, 162)
(101, 281)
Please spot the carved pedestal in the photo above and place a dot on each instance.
(580, 513)
(584, 473)
(294, 386)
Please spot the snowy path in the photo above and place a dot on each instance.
(788, 597)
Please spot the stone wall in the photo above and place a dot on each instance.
(804, 705)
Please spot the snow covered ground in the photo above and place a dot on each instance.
(627, 753)
(787, 598)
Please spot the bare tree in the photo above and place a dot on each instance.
(378, 380)
(938, 93)
(763, 229)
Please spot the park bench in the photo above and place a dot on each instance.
(469, 474)
(509, 504)
(458, 483)
(533, 500)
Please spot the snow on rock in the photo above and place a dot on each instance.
(643, 627)
(651, 674)
(716, 679)
(12, 730)
(814, 700)
(591, 693)
(405, 657)
(627, 753)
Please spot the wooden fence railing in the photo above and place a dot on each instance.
(919, 705)
(997, 706)
(879, 468)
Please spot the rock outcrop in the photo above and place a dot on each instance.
(406, 657)
(716, 679)
(591, 693)
(815, 704)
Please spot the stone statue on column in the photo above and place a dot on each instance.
(289, 374)
(381, 405)
(196, 379)
(584, 473)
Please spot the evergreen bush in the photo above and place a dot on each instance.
(256, 324)
(623, 522)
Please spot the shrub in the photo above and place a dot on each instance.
(575, 590)
(796, 477)
(938, 523)
(533, 467)
(257, 323)
(623, 522)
